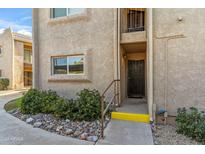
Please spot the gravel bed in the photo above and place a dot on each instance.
(167, 135)
(83, 130)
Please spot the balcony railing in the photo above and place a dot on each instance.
(135, 21)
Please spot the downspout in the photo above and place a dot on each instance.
(167, 39)
(150, 61)
(118, 56)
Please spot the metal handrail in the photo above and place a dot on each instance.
(104, 109)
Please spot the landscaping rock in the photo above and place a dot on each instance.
(29, 120)
(83, 130)
(59, 128)
(84, 136)
(167, 135)
(68, 131)
(49, 127)
(76, 133)
(92, 138)
(67, 120)
(37, 124)
(23, 117)
(37, 116)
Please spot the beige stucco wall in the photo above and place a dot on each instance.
(91, 34)
(179, 63)
(6, 58)
(18, 71)
(12, 57)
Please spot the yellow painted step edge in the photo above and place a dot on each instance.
(131, 117)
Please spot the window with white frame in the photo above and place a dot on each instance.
(61, 12)
(68, 65)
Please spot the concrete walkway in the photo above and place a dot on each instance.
(15, 131)
(127, 133)
(11, 92)
(133, 105)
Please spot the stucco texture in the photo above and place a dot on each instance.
(179, 63)
(6, 58)
(90, 34)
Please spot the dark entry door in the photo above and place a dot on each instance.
(136, 78)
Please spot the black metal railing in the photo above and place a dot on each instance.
(114, 101)
(135, 21)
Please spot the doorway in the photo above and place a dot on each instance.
(136, 79)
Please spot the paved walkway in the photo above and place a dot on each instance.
(133, 105)
(15, 131)
(11, 92)
(127, 133)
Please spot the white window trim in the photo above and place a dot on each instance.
(86, 77)
(68, 57)
(67, 13)
(64, 19)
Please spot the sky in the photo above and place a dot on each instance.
(20, 20)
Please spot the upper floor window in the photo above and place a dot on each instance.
(68, 65)
(0, 50)
(27, 54)
(61, 12)
(136, 20)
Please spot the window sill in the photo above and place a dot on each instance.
(70, 18)
(68, 80)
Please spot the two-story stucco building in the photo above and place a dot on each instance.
(157, 54)
(16, 59)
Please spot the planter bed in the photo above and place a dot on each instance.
(83, 130)
(167, 135)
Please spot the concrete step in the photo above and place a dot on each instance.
(119, 132)
(145, 118)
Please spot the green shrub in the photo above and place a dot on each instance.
(191, 123)
(49, 99)
(32, 102)
(4, 83)
(86, 107)
(89, 105)
(66, 109)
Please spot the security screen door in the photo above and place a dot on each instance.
(136, 78)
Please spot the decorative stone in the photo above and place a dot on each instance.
(77, 133)
(29, 120)
(84, 130)
(83, 136)
(23, 117)
(67, 120)
(37, 124)
(37, 116)
(59, 128)
(49, 127)
(92, 138)
(68, 131)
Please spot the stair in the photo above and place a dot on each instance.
(131, 117)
